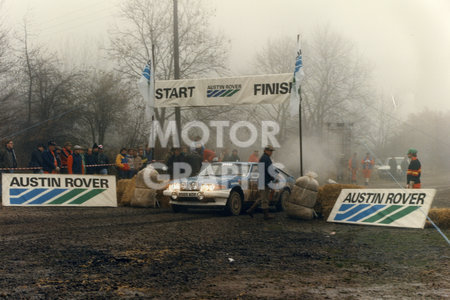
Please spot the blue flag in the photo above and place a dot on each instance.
(296, 81)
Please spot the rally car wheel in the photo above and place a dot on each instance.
(281, 204)
(234, 204)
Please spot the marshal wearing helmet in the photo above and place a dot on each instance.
(414, 170)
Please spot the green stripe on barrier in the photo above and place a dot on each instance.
(399, 214)
(68, 196)
(234, 92)
(382, 214)
(226, 93)
(87, 196)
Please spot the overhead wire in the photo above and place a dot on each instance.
(48, 21)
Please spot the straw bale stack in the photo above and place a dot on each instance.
(125, 191)
(440, 216)
(327, 196)
(303, 197)
(143, 197)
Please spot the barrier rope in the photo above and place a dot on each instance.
(63, 167)
(403, 188)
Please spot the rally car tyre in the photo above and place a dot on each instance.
(178, 208)
(281, 204)
(234, 204)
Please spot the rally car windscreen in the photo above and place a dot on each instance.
(225, 169)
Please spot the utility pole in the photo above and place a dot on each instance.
(176, 62)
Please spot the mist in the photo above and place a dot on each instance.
(402, 48)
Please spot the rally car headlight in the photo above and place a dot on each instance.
(209, 187)
(174, 187)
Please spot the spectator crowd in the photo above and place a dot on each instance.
(69, 159)
(75, 159)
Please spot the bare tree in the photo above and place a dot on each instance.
(147, 23)
(5, 61)
(103, 103)
(278, 56)
(337, 83)
(4, 42)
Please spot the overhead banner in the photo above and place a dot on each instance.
(58, 190)
(259, 89)
(383, 207)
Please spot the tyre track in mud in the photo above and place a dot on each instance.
(14, 231)
(132, 253)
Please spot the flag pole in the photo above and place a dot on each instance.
(300, 119)
(300, 129)
(152, 128)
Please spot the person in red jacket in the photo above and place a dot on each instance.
(208, 155)
(414, 170)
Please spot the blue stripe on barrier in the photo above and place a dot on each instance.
(351, 212)
(26, 197)
(210, 92)
(366, 213)
(16, 192)
(220, 93)
(344, 207)
(48, 196)
(215, 93)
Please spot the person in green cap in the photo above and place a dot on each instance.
(414, 170)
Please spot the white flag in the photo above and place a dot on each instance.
(146, 86)
(297, 79)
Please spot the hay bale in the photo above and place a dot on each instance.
(299, 212)
(163, 200)
(147, 176)
(303, 197)
(308, 182)
(143, 197)
(120, 189)
(129, 186)
(440, 216)
(140, 181)
(327, 196)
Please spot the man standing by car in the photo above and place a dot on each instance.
(414, 170)
(404, 165)
(268, 178)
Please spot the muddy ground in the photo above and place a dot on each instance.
(151, 253)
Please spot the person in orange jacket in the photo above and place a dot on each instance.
(75, 163)
(254, 157)
(66, 151)
(367, 166)
(353, 167)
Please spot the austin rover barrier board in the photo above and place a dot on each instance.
(383, 207)
(58, 190)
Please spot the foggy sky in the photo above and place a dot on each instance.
(406, 41)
